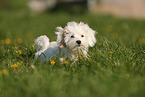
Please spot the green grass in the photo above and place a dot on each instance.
(117, 74)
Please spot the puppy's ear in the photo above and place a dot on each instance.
(91, 37)
(60, 36)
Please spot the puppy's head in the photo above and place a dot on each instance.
(76, 35)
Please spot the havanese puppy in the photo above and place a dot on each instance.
(72, 40)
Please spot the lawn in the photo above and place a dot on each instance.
(115, 68)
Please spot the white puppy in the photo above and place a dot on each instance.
(73, 40)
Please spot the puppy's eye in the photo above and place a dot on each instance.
(82, 35)
(72, 36)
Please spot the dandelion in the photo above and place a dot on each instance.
(8, 41)
(65, 62)
(79, 57)
(15, 47)
(143, 40)
(89, 55)
(110, 52)
(19, 40)
(19, 51)
(14, 66)
(2, 41)
(4, 72)
(52, 62)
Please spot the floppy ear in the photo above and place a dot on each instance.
(91, 37)
(60, 36)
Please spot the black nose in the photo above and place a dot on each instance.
(78, 42)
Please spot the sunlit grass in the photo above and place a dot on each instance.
(115, 65)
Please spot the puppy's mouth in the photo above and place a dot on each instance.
(78, 45)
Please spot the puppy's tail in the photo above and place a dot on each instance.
(42, 43)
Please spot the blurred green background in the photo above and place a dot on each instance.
(17, 20)
(116, 67)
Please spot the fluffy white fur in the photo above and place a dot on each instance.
(73, 40)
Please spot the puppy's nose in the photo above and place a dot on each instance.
(78, 42)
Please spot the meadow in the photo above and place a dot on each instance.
(115, 68)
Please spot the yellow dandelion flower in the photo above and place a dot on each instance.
(143, 40)
(110, 52)
(79, 57)
(14, 66)
(65, 62)
(52, 62)
(89, 55)
(4, 72)
(8, 41)
(19, 51)
(19, 40)
(15, 47)
(2, 41)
